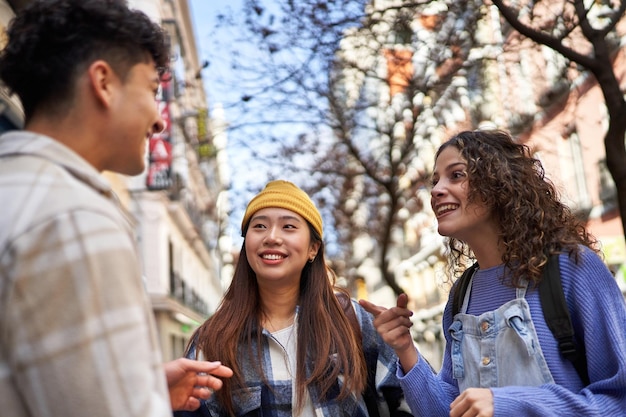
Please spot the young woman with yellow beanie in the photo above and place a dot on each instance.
(294, 347)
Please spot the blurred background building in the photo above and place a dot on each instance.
(180, 202)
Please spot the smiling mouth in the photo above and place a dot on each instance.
(272, 257)
(445, 208)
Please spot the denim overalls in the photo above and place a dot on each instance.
(497, 348)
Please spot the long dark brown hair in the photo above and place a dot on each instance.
(323, 331)
(534, 223)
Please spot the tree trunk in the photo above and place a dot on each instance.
(388, 275)
(616, 161)
(601, 65)
(614, 140)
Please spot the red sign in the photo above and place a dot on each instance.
(160, 147)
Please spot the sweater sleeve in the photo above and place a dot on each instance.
(426, 392)
(598, 315)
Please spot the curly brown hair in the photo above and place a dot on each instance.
(503, 175)
(50, 42)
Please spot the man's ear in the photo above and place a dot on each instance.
(102, 81)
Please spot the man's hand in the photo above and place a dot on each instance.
(189, 381)
(473, 402)
(394, 325)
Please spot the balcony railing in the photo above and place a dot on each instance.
(186, 295)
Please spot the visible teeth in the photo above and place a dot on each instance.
(446, 207)
(272, 257)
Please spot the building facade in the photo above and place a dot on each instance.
(180, 200)
(453, 66)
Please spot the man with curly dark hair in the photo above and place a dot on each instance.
(78, 335)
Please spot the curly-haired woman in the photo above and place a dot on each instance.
(495, 206)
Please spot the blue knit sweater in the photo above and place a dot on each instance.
(599, 318)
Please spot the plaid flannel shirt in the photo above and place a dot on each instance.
(78, 335)
(275, 399)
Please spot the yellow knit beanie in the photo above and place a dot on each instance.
(283, 194)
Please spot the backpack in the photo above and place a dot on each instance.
(554, 309)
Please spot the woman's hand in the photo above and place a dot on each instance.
(473, 402)
(394, 325)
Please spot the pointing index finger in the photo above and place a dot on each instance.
(371, 307)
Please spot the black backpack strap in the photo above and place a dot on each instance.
(461, 288)
(558, 319)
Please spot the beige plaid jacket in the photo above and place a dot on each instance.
(77, 336)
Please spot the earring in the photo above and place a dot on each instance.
(311, 260)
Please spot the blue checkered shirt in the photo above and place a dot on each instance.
(274, 399)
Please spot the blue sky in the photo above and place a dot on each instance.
(204, 14)
(214, 45)
(249, 170)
